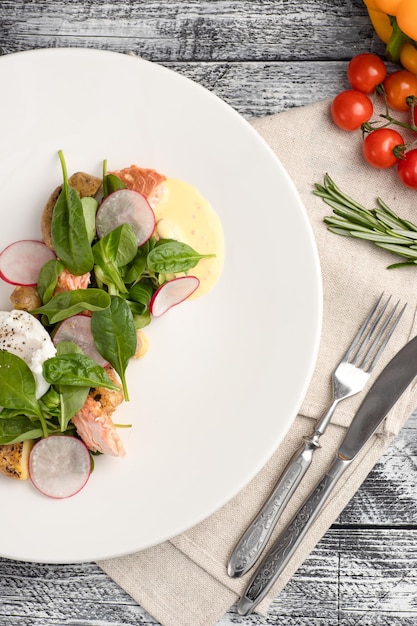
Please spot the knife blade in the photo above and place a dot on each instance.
(384, 393)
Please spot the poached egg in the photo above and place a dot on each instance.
(24, 336)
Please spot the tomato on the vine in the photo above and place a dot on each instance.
(350, 109)
(407, 169)
(398, 86)
(366, 71)
(377, 147)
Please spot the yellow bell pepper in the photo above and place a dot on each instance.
(395, 23)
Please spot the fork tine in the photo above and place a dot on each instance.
(386, 339)
(370, 332)
(357, 339)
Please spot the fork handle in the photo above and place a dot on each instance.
(285, 545)
(251, 544)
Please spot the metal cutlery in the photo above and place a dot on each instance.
(382, 396)
(348, 379)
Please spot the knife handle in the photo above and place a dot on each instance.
(283, 548)
(251, 544)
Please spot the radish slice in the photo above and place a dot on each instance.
(171, 293)
(78, 330)
(20, 263)
(59, 466)
(126, 206)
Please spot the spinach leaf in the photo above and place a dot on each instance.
(90, 206)
(113, 251)
(69, 303)
(72, 400)
(138, 300)
(7, 414)
(48, 278)
(50, 403)
(18, 386)
(69, 232)
(137, 267)
(114, 334)
(171, 256)
(68, 347)
(111, 182)
(76, 370)
(140, 318)
(141, 292)
(19, 429)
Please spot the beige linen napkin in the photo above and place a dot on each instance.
(183, 582)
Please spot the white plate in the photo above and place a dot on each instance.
(225, 374)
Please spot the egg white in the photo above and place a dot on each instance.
(23, 335)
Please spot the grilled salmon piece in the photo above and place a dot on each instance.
(140, 179)
(69, 282)
(94, 423)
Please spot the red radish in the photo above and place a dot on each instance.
(78, 330)
(59, 466)
(171, 293)
(126, 206)
(20, 263)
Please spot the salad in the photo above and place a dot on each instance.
(105, 269)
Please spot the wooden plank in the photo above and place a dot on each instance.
(193, 30)
(378, 577)
(388, 496)
(352, 575)
(373, 583)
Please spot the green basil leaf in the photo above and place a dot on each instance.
(69, 232)
(171, 257)
(114, 334)
(77, 370)
(48, 278)
(69, 303)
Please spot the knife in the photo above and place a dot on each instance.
(386, 390)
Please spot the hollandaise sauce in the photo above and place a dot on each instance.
(182, 213)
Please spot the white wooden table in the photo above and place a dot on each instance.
(260, 56)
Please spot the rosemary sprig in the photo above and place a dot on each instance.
(380, 225)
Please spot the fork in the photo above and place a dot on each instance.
(348, 379)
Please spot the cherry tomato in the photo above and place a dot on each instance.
(407, 169)
(350, 109)
(378, 146)
(398, 86)
(366, 71)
